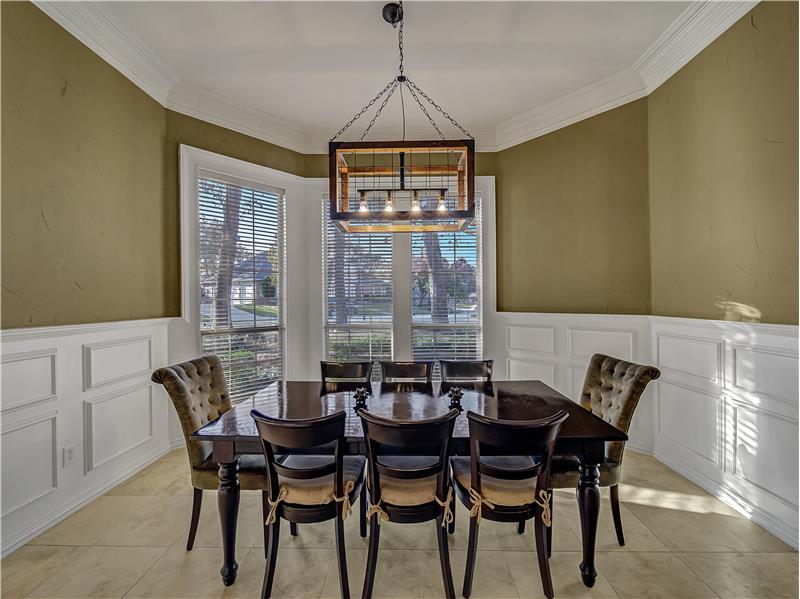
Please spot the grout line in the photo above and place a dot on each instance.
(700, 578)
(160, 557)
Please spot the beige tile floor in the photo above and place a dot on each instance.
(681, 543)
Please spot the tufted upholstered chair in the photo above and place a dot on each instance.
(199, 393)
(611, 390)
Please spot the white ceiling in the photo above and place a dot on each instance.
(314, 64)
(293, 72)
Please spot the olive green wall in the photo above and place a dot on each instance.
(83, 196)
(90, 188)
(572, 219)
(723, 176)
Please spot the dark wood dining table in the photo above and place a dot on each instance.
(583, 435)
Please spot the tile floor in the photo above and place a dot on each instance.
(681, 543)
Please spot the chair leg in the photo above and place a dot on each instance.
(472, 551)
(273, 535)
(341, 556)
(521, 527)
(542, 552)
(451, 528)
(617, 516)
(372, 557)
(197, 502)
(293, 528)
(444, 559)
(550, 529)
(362, 512)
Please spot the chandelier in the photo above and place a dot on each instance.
(401, 186)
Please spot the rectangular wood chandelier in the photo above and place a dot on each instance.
(402, 186)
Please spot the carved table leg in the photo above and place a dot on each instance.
(589, 507)
(228, 502)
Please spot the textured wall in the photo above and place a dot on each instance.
(572, 219)
(83, 186)
(723, 176)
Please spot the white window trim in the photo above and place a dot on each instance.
(185, 341)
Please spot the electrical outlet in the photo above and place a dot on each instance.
(68, 455)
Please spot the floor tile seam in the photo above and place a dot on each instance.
(158, 559)
(700, 578)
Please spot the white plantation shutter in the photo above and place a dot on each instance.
(446, 295)
(241, 265)
(358, 293)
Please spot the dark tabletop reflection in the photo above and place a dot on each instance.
(510, 400)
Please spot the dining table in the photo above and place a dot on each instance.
(582, 435)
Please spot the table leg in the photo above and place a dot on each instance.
(228, 503)
(589, 507)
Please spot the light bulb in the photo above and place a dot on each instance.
(388, 206)
(363, 207)
(441, 207)
(415, 203)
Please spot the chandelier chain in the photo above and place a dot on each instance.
(380, 109)
(439, 108)
(360, 113)
(400, 36)
(424, 110)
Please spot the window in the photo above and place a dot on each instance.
(440, 276)
(358, 293)
(241, 270)
(446, 294)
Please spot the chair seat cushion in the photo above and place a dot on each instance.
(252, 473)
(404, 491)
(319, 491)
(497, 491)
(564, 473)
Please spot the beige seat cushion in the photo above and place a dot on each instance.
(252, 473)
(407, 492)
(564, 473)
(318, 491)
(499, 492)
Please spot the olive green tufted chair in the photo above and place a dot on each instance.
(199, 393)
(611, 390)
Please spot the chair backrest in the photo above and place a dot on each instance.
(198, 391)
(410, 437)
(611, 390)
(345, 376)
(536, 438)
(466, 370)
(301, 434)
(467, 374)
(416, 371)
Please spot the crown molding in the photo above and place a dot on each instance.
(97, 27)
(613, 91)
(694, 29)
(210, 107)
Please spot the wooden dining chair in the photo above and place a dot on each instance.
(345, 376)
(199, 394)
(511, 488)
(611, 390)
(467, 374)
(409, 481)
(308, 488)
(406, 376)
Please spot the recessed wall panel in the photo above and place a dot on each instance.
(29, 462)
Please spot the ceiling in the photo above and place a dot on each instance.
(294, 72)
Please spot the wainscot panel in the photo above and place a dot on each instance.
(79, 416)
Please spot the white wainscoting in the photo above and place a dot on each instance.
(556, 348)
(84, 388)
(726, 416)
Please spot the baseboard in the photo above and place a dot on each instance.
(754, 513)
(78, 502)
(645, 448)
(176, 443)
